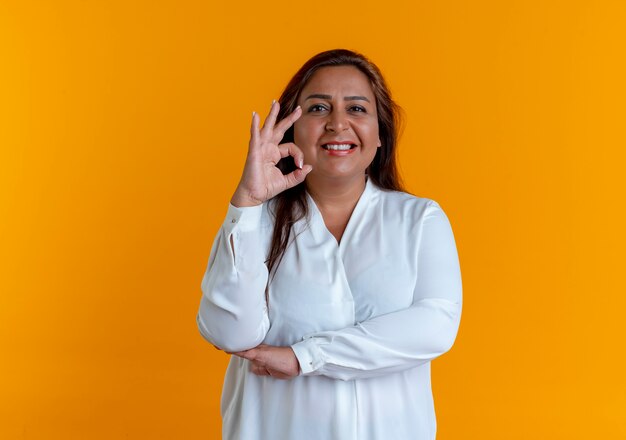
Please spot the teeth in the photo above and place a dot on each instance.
(341, 147)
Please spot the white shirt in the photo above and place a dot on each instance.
(364, 318)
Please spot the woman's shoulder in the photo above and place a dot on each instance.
(403, 201)
(406, 213)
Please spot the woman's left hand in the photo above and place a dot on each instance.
(269, 360)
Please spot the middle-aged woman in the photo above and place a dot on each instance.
(331, 287)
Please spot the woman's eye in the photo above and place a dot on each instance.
(358, 108)
(317, 108)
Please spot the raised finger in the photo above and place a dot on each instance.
(254, 129)
(268, 125)
(291, 149)
(286, 122)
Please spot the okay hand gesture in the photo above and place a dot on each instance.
(261, 179)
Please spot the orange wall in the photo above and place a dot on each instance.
(123, 130)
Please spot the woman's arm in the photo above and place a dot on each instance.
(233, 312)
(406, 338)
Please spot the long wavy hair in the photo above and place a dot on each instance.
(290, 206)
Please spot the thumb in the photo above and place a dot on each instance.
(297, 176)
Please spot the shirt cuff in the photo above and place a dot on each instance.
(309, 354)
(246, 218)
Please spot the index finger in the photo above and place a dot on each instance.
(287, 122)
(247, 354)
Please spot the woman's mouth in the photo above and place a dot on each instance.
(338, 147)
(339, 150)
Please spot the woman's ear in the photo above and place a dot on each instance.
(379, 143)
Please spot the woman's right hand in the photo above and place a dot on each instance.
(261, 179)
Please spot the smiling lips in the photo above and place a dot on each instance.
(339, 148)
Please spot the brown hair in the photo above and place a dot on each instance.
(291, 205)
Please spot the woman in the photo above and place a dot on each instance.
(331, 287)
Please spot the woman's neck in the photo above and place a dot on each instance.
(334, 195)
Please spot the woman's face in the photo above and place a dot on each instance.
(338, 129)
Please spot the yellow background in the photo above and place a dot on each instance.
(123, 131)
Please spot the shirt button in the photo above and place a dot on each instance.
(234, 220)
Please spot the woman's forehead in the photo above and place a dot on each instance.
(339, 79)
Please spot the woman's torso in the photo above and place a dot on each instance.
(321, 285)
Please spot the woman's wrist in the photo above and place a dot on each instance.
(240, 200)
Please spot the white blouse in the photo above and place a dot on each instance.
(364, 318)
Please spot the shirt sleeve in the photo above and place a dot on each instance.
(233, 311)
(405, 338)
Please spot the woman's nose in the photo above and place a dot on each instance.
(336, 122)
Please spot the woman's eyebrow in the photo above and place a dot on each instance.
(346, 98)
(317, 95)
(355, 98)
